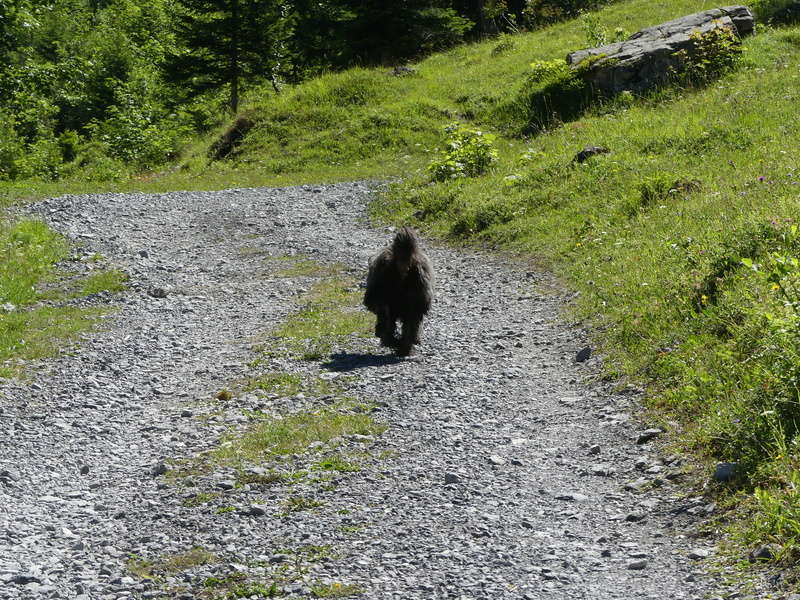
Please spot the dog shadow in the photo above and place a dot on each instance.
(350, 361)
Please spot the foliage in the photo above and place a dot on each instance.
(468, 153)
(714, 53)
(538, 13)
(226, 43)
(775, 11)
(596, 34)
(387, 32)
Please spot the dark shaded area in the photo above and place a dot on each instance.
(230, 140)
(349, 361)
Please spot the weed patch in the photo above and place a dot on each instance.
(293, 434)
(337, 462)
(306, 267)
(300, 503)
(282, 383)
(169, 564)
(327, 320)
(105, 281)
(40, 333)
(335, 590)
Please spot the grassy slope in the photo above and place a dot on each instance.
(659, 273)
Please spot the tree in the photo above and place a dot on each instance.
(228, 43)
(385, 32)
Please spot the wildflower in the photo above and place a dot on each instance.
(704, 299)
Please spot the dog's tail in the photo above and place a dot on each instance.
(405, 243)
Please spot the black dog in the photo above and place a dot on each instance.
(400, 287)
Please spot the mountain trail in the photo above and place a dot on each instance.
(503, 472)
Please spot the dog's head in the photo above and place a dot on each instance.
(405, 243)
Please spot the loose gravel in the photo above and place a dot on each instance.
(503, 472)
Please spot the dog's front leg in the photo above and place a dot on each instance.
(385, 327)
(410, 335)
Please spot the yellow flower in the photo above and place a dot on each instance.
(704, 299)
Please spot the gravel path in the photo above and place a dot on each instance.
(502, 473)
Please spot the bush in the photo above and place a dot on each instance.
(714, 53)
(469, 153)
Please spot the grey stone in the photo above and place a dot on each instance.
(636, 565)
(648, 434)
(258, 510)
(638, 485)
(25, 579)
(634, 517)
(277, 559)
(158, 292)
(764, 552)
(587, 153)
(450, 478)
(725, 471)
(645, 59)
(573, 497)
(698, 553)
(392, 527)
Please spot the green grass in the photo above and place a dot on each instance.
(29, 251)
(290, 384)
(169, 564)
(41, 333)
(656, 235)
(105, 281)
(336, 590)
(337, 462)
(29, 255)
(292, 434)
(365, 123)
(306, 267)
(327, 321)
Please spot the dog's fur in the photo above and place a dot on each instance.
(400, 288)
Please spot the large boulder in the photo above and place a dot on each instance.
(645, 59)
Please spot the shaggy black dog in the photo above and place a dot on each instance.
(400, 287)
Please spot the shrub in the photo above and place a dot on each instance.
(596, 34)
(469, 153)
(714, 53)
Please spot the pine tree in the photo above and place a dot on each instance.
(228, 43)
(380, 32)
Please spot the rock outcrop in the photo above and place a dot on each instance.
(645, 59)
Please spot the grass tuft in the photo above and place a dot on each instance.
(105, 281)
(292, 434)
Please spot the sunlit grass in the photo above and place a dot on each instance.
(292, 434)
